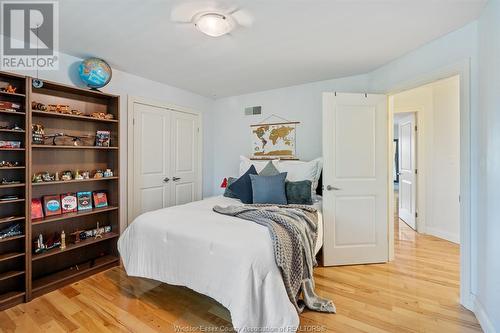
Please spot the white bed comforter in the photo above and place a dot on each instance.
(226, 258)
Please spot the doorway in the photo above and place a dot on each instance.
(427, 129)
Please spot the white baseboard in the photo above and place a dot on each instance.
(483, 318)
(455, 238)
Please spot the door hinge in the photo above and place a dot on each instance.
(416, 214)
(133, 121)
(416, 128)
(416, 171)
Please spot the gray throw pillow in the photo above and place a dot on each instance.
(269, 170)
(299, 192)
(228, 193)
(269, 189)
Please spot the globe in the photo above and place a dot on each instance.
(95, 72)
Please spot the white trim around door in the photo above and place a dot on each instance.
(462, 69)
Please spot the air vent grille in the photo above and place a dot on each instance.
(253, 110)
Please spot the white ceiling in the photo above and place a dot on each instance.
(289, 41)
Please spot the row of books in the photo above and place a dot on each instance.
(50, 205)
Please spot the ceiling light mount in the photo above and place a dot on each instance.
(213, 24)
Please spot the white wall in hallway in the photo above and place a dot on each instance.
(438, 154)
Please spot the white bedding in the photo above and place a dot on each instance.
(224, 257)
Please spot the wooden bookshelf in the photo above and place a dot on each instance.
(13, 260)
(56, 267)
(23, 274)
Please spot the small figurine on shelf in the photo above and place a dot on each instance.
(37, 178)
(10, 89)
(16, 127)
(74, 237)
(85, 174)
(9, 164)
(108, 173)
(47, 177)
(39, 246)
(63, 240)
(38, 106)
(6, 181)
(37, 134)
(98, 231)
(78, 176)
(67, 175)
(10, 231)
(98, 174)
(76, 112)
(56, 177)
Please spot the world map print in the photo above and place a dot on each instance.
(273, 140)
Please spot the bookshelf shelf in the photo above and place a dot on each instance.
(70, 116)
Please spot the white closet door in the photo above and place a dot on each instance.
(185, 162)
(152, 153)
(355, 197)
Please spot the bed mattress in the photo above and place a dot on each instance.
(224, 257)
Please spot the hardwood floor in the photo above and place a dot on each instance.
(417, 292)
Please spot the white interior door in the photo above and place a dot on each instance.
(185, 164)
(152, 154)
(355, 196)
(407, 170)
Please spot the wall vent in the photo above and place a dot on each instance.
(253, 110)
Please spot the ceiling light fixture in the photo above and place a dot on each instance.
(213, 24)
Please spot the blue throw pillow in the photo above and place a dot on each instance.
(269, 189)
(242, 188)
(299, 192)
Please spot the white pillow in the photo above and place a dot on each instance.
(300, 170)
(246, 163)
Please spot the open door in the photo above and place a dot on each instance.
(355, 196)
(407, 170)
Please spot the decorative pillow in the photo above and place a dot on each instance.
(245, 163)
(299, 192)
(269, 189)
(242, 187)
(269, 170)
(299, 170)
(228, 193)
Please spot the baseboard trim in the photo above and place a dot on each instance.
(483, 318)
(443, 234)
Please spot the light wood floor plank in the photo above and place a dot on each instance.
(417, 292)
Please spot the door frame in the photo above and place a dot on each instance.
(131, 139)
(467, 225)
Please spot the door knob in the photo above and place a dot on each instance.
(332, 188)
(166, 180)
(175, 179)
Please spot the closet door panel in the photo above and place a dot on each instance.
(185, 158)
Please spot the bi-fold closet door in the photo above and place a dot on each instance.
(165, 158)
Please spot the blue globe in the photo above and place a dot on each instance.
(95, 72)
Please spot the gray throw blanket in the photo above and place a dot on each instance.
(293, 230)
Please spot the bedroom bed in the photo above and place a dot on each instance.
(224, 257)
